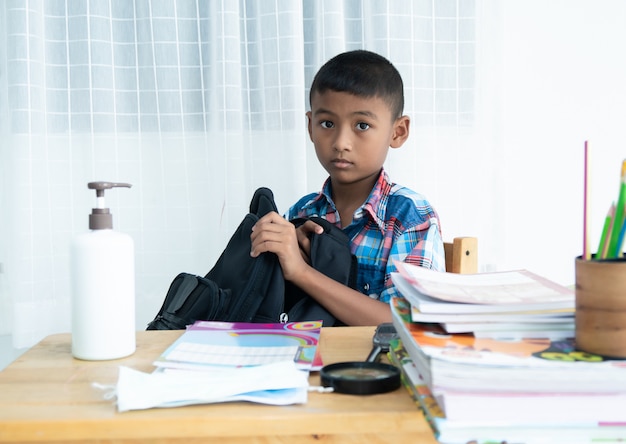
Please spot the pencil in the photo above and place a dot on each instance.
(619, 215)
(586, 250)
(606, 230)
(620, 240)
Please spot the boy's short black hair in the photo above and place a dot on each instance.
(362, 73)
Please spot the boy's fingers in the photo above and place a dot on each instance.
(304, 242)
(271, 221)
(311, 227)
(271, 233)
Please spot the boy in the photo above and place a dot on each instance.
(356, 101)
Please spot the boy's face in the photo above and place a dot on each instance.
(352, 135)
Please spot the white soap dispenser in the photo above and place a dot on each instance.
(103, 286)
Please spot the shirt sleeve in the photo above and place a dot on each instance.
(421, 245)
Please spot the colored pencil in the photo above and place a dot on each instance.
(606, 231)
(619, 216)
(620, 240)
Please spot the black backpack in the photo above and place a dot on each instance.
(240, 288)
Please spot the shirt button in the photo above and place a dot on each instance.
(366, 287)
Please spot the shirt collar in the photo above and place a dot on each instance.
(375, 206)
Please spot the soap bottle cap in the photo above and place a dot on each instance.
(100, 217)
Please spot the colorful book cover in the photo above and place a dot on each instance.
(210, 344)
(470, 362)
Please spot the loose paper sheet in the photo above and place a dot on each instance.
(278, 383)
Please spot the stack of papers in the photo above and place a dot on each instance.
(280, 383)
(224, 361)
(504, 304)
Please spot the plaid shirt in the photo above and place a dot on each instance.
(394, 223)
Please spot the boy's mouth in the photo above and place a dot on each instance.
(341, 163)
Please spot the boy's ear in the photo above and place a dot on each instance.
(400, 131)
(309, 116)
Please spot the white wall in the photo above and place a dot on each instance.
(562, 81)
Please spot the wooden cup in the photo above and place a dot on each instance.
(601, 307)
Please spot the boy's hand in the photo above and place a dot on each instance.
(274, 233)
(304, 232)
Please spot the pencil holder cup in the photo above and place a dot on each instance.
(601, 306)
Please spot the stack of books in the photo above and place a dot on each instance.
(520, 387)
(503, 304)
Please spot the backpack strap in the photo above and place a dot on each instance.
(190, 298)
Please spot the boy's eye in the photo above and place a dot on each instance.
(362, 126)
(326, 124)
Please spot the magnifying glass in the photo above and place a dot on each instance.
(369, 377)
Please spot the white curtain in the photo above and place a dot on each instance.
(196, 103)
(199, 102)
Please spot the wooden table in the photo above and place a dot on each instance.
(47, 396)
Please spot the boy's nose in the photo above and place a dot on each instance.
(343, 140)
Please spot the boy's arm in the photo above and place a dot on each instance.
(274, 233)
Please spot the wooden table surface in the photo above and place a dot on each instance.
(47, 396)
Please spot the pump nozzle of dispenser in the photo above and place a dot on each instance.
(100, 217)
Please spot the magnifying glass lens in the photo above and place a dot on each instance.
(360, 378)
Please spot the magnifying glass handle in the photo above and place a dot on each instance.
(374, 353)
